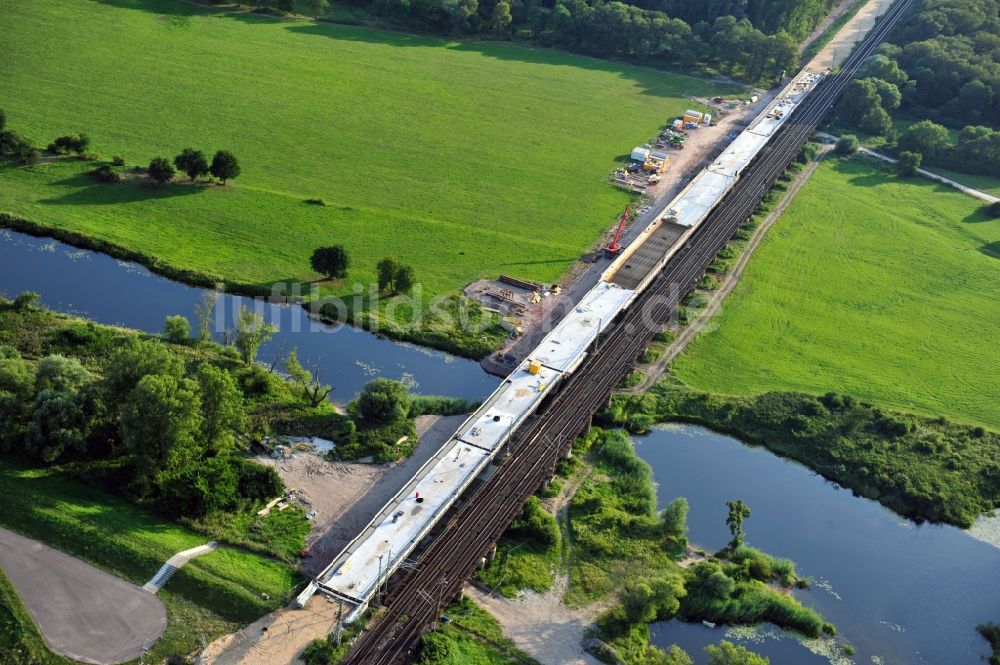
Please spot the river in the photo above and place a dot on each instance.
(897, 591)
(106, 290)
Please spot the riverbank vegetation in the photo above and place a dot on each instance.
(922, 468)
(828, 300)
(617, 545)
(166, 422)
(455, 213)
(991, 632)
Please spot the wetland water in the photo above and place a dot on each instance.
(897, 591)
(106, 290)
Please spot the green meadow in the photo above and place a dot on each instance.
(461, 159)
(872, 285)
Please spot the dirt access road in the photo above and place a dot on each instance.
(82, 612)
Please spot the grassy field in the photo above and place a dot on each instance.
(462, 159)
(210, 596)
(870, 285)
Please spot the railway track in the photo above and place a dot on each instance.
(456, 549)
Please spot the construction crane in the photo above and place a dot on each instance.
(615, 245)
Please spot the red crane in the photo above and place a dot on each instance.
(615, 246)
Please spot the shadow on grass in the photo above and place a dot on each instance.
(87, 191)
(991, 249)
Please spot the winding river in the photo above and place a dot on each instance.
(106, 290)
(898, 592)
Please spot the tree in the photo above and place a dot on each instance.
(134, 360)
(222, 411)
(876, 122)
(639, 603)
(17, 385)
(203, 311)
(384, 401)
(908, 163)
(251, 332)
(331, 261)
(501, 18)
(860, 97)
(847, 144)
(387, 269)
(160, 170)
(317, 7)
(404, 279)
(159, 425)
(225, 166)
(56, 372)
(313, 389)
(668, 592)
(889, 95)
(61, 420)
(926, 137)
(727, 653)
(738, 512)
(675, 518)
(719, 585)
(177, 328)
(192, 162)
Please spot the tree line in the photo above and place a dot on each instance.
(940, 70)
(750, 40)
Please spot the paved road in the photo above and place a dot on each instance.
(83, 612)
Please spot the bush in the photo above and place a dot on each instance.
(847, 144)
(104, 173)
(423, 405)
(908, 163)
(316, 201)
(117, 160)
(177, 329)
(993, 210)
(76, 143)
(384, 401)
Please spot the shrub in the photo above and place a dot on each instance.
(908, 163)
(104, 173)
(117, 160)
(847, 144)
(177, 329)
(385, 401)
(27, 300)
(993, 210)
(316, 201)
(76, 143)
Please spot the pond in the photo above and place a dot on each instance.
(897, 591)
(106, 290)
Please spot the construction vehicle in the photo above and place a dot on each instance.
(614, 247)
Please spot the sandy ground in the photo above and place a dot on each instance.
(853, 31)
(82, 612)
(541, 625)
(275, 639)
